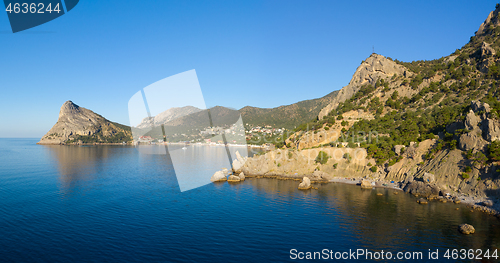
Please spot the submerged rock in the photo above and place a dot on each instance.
(305, 184)
(422, 201)
(466, 229)
(218, 176)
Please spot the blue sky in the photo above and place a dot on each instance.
(258, 53)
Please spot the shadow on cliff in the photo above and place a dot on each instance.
(492, 193)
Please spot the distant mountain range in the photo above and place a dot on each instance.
(79, 125)
(168, 116)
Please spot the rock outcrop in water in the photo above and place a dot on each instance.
(79, 125)
(233, 179)
(466, 229)
(305, 184)
(218, 176)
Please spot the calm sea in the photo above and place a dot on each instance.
(112, 204)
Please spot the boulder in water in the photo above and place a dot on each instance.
(234, 179)
(422, 201)
(305, 184)
(466, 229)
(366, 184)
(218, 176)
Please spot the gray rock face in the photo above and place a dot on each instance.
(466, 229)
(239, 162)
(487, 51)
(218, 176)
(478, 106)
(233, 179)
(398, 148)
(75, 120)
(373, 68)
(492, 19)
(421, 189)
(487, 57)
(478, 126)
(491, 129)
(242, 176)
(305, 184)
(471, 121)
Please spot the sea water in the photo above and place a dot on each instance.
(113, 204)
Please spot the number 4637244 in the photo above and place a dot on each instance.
(32, 8)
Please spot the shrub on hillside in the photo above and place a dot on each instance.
(322, 157)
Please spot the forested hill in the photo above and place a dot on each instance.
(288, 116)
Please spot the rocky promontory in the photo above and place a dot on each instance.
(79, 125)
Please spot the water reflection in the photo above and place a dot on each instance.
(79, 165)
(391, 221)
(87, 165)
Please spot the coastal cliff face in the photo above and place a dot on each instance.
(436, 124)
(373, 68)
(79, 125)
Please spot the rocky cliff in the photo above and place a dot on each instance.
(79, 125)
(432, 126)
(372, 69)
(490, 23)
(444, 171)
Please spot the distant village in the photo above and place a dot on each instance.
(234, 135)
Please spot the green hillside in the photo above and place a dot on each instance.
(442, 89)
(288, 116)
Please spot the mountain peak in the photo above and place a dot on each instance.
(69, 108)
(490, 23)
(373, 68)
(76, 122)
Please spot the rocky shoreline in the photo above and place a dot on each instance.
(83, 144)
(427, 192)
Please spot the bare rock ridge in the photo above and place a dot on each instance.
(492, 19)
(168, 116)
(373, 68)
(76, 123)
